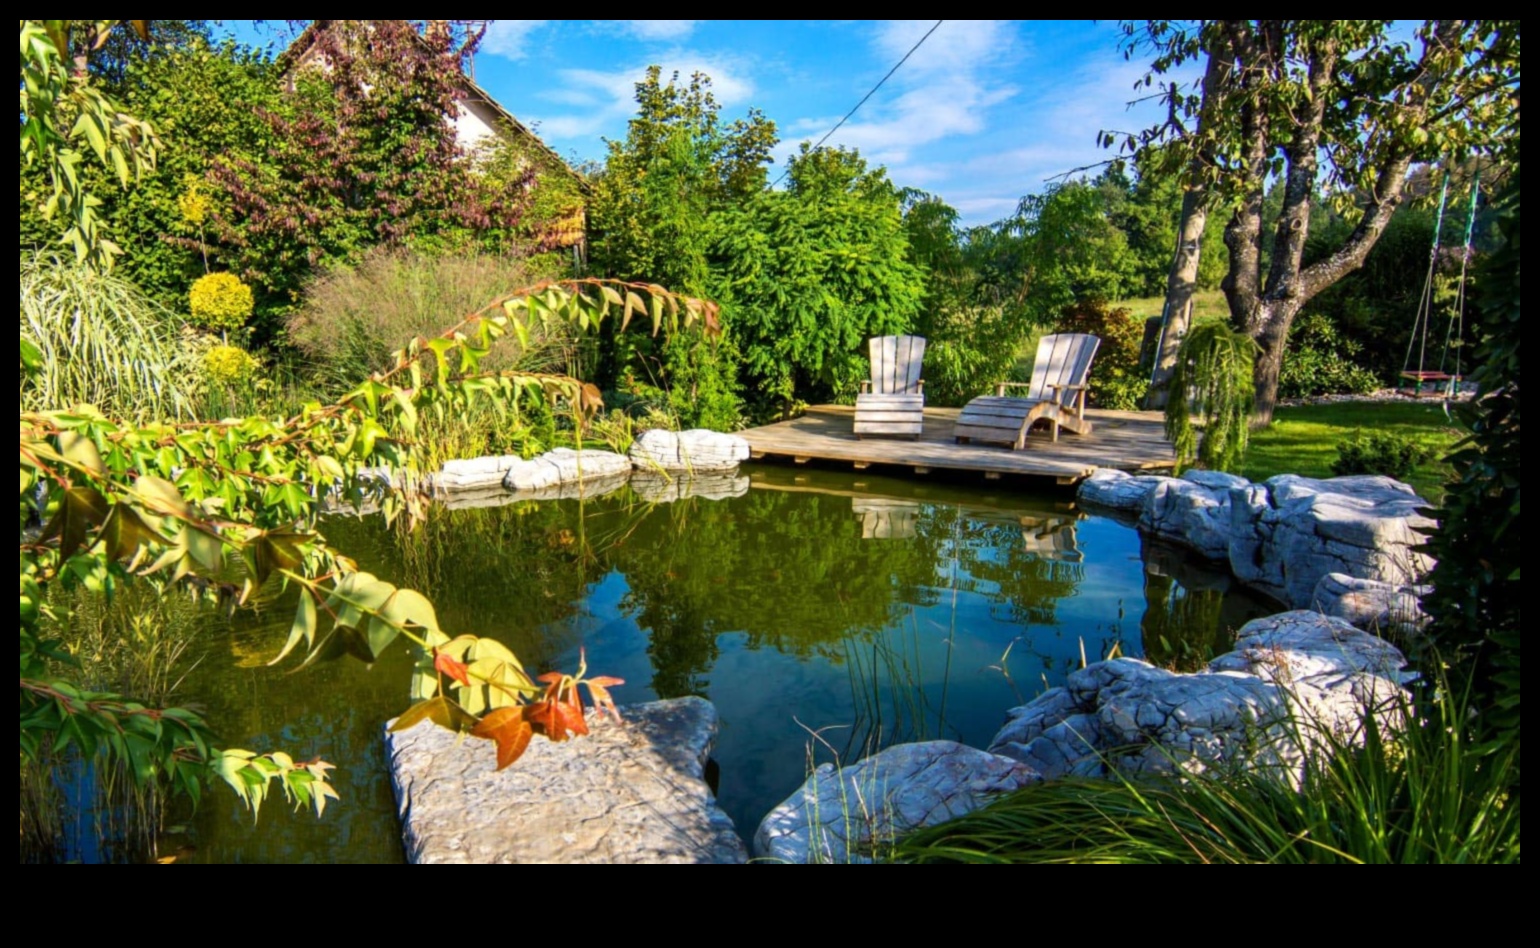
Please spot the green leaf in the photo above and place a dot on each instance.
(440, 710)
(81, 451)
(303, 627)
(162, 497)
(80, 509)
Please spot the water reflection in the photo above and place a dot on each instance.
(863, 609)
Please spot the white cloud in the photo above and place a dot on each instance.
(507, 38)
(947, 88)
(606, 97)
(658, 29)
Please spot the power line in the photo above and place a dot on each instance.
(867, 96)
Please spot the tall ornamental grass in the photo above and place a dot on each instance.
(352, 318)
(96, 339)
(1427, 794)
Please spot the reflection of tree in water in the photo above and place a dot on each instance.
(519, 574)
(1191, 609)
(1028, 566)
(790, 571)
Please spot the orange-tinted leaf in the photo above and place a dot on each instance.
(599, 691)
(445, 664)
(510, 729)
(571, 712)
(545, 718)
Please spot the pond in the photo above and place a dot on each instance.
(826, 614)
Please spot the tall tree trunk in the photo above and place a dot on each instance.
(1272, 320)
(1181, 283)
(1182, 280)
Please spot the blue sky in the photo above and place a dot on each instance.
(983, 113)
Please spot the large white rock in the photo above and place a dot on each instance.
(563, 466)
(1193, 509)
(696, 450)
(854, 813)
(1117, 490)
(1369, 604)
(474, 473)
(1290, 680)
(629, 792)
(1285, 535)
(1289, 532)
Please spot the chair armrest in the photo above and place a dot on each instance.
(1000, 387)
(920, 387)
(866, 385)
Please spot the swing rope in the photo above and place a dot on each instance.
(1419, 339)
(1455, 331)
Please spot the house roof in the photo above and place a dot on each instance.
(295, 52)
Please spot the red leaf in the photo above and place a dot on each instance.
(546, 719)
(445, 664)
(571, 713)
(510, 729)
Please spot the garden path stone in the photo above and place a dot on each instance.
(630, 792)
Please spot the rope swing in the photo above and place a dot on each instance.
(1442, 380)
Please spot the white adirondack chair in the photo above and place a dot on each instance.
(1056, 394)
(893, 402)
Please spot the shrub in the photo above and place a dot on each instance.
(98, 341)
(1380, 452)
(1116, 381)
(229, 365)
(219, 301)
(1322, 361)
(353, 317)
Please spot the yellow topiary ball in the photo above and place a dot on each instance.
(220, 301)
(229, 365)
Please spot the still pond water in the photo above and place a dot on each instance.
(869, 610)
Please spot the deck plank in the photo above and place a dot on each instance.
(1125, 440)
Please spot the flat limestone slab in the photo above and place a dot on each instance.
(632, 792)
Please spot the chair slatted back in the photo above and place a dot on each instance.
(896, 364)
(1062, 359)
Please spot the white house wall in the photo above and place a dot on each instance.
(475, 122)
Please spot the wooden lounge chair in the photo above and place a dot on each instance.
(1056, 395)
(893, 402)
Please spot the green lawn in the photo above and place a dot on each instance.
(1206, 304)
(1304, 440)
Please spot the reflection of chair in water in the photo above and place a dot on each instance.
(885, 519)
(1052, 538)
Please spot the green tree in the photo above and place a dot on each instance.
(651, 219)
(975, 312)
(808, 274)
(1339, 105)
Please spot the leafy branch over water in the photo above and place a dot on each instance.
(219, 509)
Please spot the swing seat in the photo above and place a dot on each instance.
(1419, 378)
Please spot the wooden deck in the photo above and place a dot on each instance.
(1125, 440)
